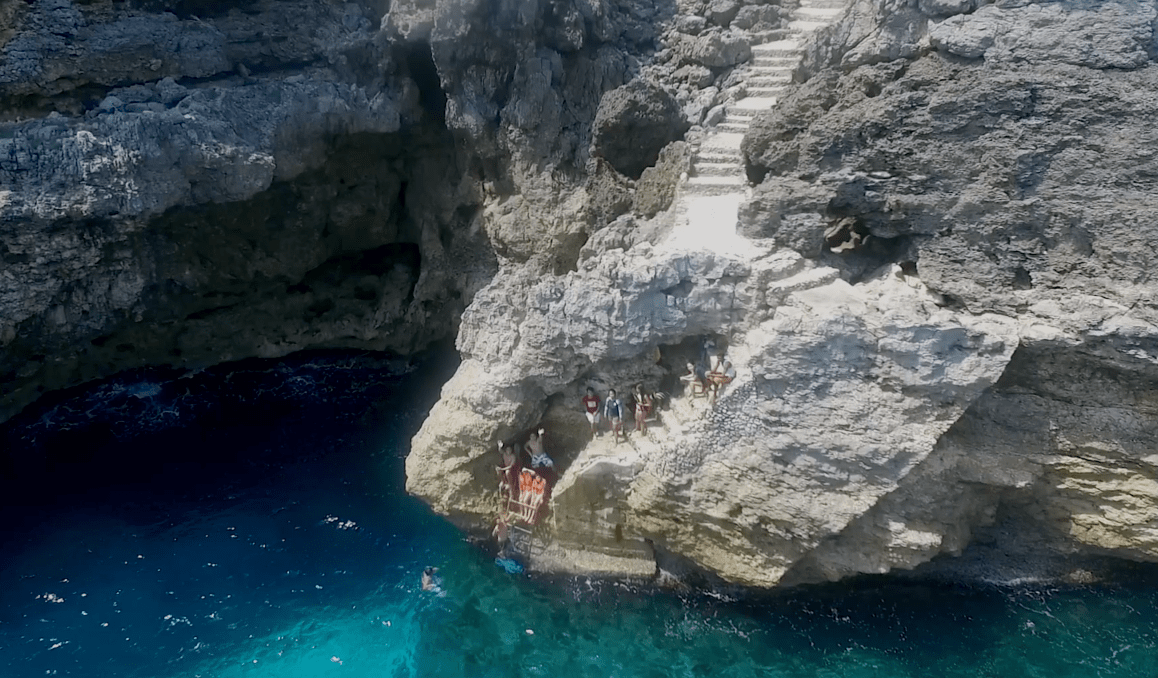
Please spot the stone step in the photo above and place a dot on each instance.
(776, 60)
(841, 5)
(778, 65)
(814, 277)
(766, 65)
(771, 72)
(777, 48)
(716, 185)
(752, 105)
(721, 140)
(766, 92)
(767, 81)
(718, 169)
(734, 127)
(816, 13)
(806, 26)
(717, 156)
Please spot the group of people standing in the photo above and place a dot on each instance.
(613, 410)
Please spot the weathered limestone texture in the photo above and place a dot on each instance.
(924, 230)
(940, 310)
(189, 182)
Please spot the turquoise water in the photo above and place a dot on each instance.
(259, 528)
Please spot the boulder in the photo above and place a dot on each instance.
(691, 25)
(693, 74)
(699, 104)
(608, 193)
(757, 18)
(722, 12)
(633, 123)
(714, 49)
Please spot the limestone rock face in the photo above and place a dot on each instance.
(939, 300)
(1091, 34)
(941, 322)
(252, 178)
(843, 392)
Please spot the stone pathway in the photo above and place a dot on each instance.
(716, 186)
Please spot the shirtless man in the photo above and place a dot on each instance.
(429, 581)
(539, 458)
(508, 474)
(722, 374)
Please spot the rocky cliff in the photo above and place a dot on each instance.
(934, 282)
(938, 301)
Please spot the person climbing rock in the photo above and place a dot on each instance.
(539, 458)
(508, 472)
(591, 410)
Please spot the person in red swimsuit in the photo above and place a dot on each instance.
(591, 409)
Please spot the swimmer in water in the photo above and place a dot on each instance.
(429, 583)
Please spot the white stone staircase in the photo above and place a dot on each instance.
(718, 166)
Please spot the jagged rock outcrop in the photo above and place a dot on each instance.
(634, 123)
(938, 303)
(372, 165)
(957, 357)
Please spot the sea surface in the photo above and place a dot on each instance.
(250, 520)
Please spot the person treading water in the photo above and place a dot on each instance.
(429, 580)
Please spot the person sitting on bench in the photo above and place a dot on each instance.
(693, 381)
(722, 374)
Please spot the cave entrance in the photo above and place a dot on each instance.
(419, 64)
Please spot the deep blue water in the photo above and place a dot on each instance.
(250, 521)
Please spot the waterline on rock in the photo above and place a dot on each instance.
(306, 563)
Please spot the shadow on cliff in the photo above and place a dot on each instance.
(154, 431)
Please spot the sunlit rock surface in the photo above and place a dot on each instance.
(932, 271)
(942, 323)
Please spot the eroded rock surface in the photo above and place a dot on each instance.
(943, 322)
(939, 301)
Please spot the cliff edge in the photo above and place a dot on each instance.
(934, 284)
